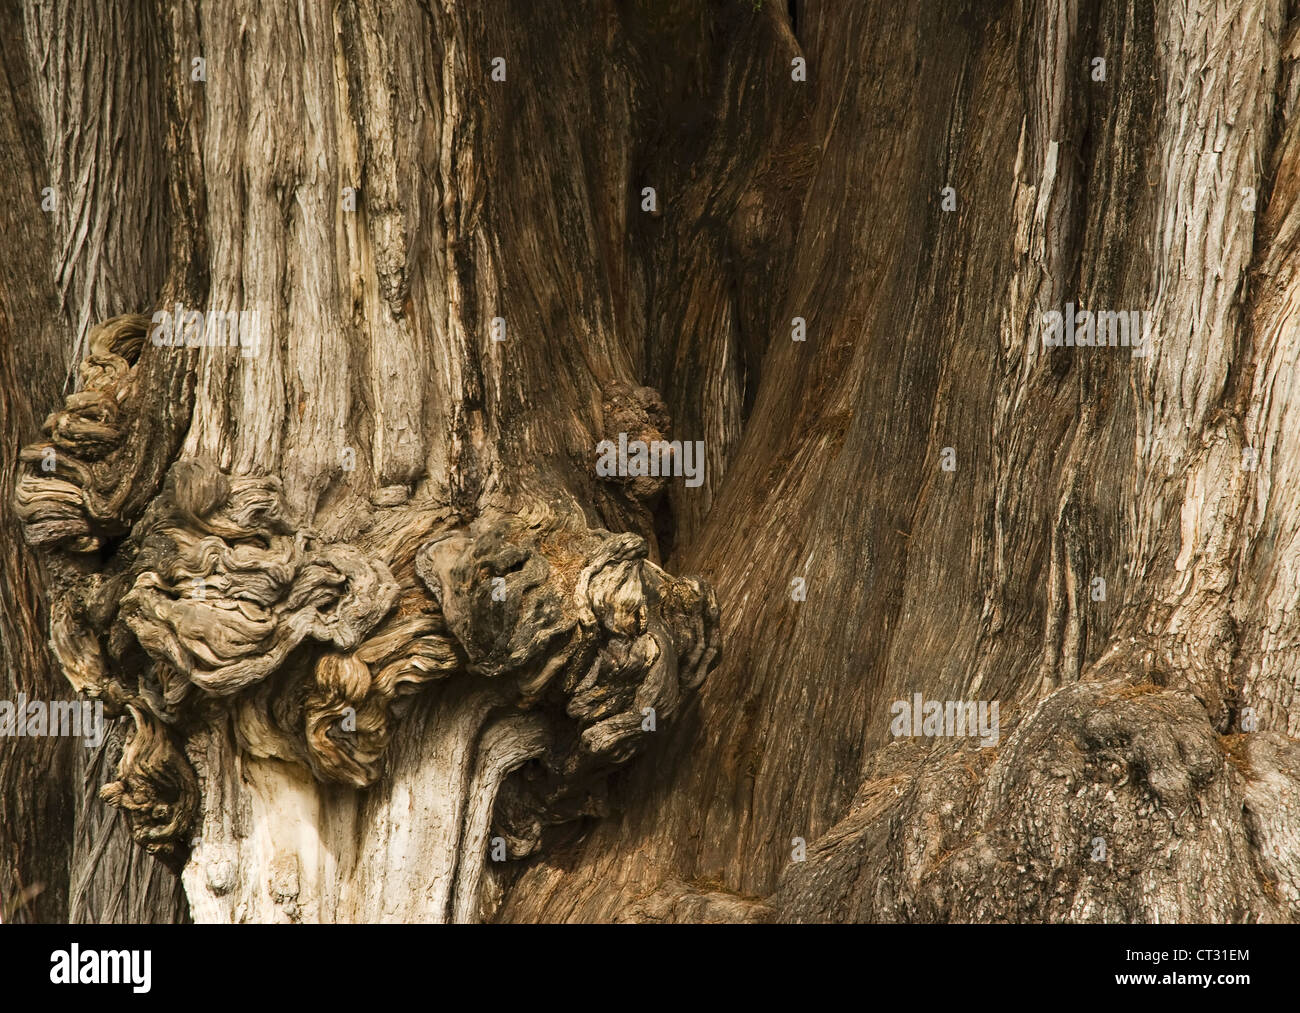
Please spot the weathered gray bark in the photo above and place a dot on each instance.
(346, 496)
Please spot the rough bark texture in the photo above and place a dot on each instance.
(363, 605)
(35, 774)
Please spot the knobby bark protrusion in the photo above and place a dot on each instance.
(213, 610)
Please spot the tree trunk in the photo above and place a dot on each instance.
(382, 638)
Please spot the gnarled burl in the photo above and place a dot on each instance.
(266, 663)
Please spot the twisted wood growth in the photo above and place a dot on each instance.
(213, 605)
(366, 608)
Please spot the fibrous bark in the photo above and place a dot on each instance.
(366, 606)
(196, 625)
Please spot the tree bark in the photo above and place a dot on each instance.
(382, 642)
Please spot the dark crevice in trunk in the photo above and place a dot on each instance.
(665, 527)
